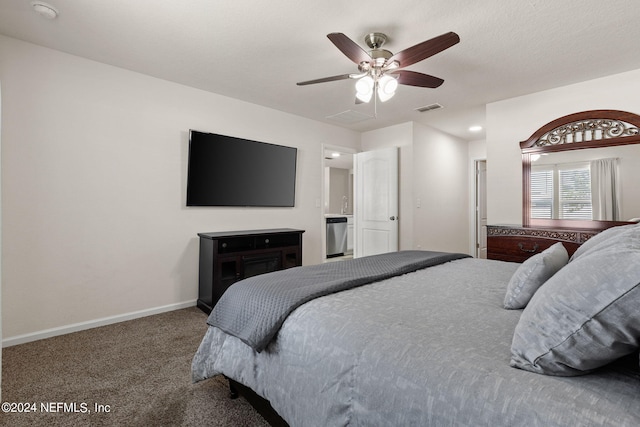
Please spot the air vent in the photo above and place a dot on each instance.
(430, 107)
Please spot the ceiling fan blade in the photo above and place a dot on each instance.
(349, 48)
(413, 78)
(325, 79)
(425, 49)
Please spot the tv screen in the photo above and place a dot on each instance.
(228, 171)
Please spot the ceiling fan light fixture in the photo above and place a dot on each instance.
(364, 97)
(364, 88)
(390, 66)
(384, 97)
(387, 86)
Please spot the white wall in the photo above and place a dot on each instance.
(94, 222)
(441, 177)
(339, 187)
(514, 120)
(434, 169)
(478, 149)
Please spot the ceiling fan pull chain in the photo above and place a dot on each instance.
(375, 101)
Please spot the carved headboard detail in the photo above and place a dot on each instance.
(587, 129)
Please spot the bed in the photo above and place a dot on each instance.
(550, 342)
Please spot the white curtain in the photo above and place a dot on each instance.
(605, 190)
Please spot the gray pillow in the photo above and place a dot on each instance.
(586, 316)
(600, 239)
(532, 274)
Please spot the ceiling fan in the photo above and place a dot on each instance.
(380, 70)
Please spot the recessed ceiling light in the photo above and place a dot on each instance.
(44, 9)
(335, 154)
(475, 128)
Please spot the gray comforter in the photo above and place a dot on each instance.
(429, 348)
(254, 309)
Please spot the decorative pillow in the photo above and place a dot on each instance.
(600, 238)
(532, 274)
(586, 315)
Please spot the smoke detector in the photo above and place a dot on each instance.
(44, 9)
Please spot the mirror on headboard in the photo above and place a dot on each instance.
(593, 188)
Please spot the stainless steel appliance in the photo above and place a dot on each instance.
(336, 236)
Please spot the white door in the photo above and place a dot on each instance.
(481, 209)
(376, 207)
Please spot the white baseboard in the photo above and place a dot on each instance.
(62, 330)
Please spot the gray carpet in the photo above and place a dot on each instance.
(138, 370)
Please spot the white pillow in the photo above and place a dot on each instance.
(532, 274)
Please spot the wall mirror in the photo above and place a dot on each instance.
(582, 170)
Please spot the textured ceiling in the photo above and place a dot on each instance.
(257, 50)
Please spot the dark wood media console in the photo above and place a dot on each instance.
(226, 257)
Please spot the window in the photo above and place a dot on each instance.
(541, 193)
(561, 191)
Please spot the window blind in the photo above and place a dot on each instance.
(542, 193)
(561, 191)
(575, 193)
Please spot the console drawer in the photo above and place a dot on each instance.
(516, 244)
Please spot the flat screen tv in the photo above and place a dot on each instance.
(228, 171)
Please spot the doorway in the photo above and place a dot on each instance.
(337, 200)
(372, 226)
(480, 209)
